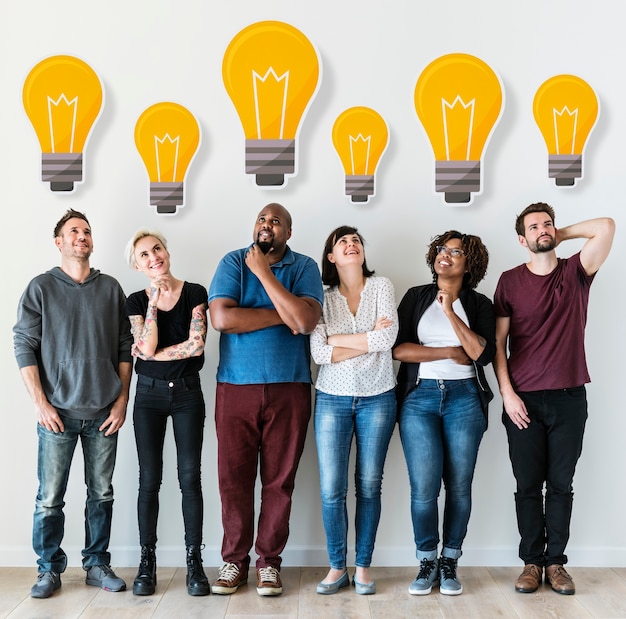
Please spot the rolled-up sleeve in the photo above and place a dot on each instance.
(384, 339)
(321, 350)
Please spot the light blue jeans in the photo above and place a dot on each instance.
(441, 426)
(53, 468)
(337, 419)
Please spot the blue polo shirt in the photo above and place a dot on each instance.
(273, 354)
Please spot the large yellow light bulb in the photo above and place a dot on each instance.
(63, 97)
(565, 109)
(458, 99)
(271, 72)
(167, 136)
(360, 136)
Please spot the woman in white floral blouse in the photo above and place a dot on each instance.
(354, 397)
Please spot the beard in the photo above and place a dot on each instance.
(543, 247)
(264, 246)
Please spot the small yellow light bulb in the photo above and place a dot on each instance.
(360, 137)
(167, 136)
(271, 72)
(62, 97)
(565, 109)
(458, 99)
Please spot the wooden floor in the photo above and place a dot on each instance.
(488, 592)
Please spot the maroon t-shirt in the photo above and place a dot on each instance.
(547, 332)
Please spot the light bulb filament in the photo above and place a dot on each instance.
(166, 149)
(64, 123)
(565, 125)
(458, 126)
(360, 153)
(264, 97)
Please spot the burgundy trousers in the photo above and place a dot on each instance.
(259, 427)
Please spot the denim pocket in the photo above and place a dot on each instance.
(472, 386)
(192, 383)
(579, 392)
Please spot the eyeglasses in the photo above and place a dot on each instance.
(455, 252)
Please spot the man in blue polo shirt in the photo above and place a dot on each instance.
(264, 299)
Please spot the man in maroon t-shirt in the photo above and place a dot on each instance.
(541, 311)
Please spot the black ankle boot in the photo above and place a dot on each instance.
(197, 582)
(146, 580)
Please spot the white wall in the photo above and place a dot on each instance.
(147, 51)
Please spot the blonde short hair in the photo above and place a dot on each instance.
(140, 234)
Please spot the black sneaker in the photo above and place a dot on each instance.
(47, 583)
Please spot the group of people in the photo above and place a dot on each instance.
(77, 335)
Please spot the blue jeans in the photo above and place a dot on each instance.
(441, 426)
(53, 468)
(546, 451)
(337, 419)
(155, 401)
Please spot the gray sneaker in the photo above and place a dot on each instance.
(448, 582)
(47, 583)
(426, 577)
(104, 577)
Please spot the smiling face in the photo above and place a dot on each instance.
(272, 229)
(74, 240)
(539, 233)
(151, 257)
(347, 250)
(448, 265)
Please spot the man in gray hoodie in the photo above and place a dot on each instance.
(72, 344)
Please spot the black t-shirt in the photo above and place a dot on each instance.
(173, 327)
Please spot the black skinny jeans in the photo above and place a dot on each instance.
(155, 401)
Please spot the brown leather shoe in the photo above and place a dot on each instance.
(530, 579)
(560, 580)
(268, 581)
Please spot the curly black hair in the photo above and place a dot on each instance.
(476, 255)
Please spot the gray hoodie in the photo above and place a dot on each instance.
(76, 334)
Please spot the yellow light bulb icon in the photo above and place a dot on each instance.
(271, 73)
(565, 109)
(62, 97)
(167, 136)
(360, 137)
(458, 99)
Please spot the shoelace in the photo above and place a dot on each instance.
(268, 574)
(145, 557)
(559, 571)
(426, 567)
(529, 570)
(448, 568)
(228, 572)
(107, 570)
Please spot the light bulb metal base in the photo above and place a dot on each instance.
(270, 160)
(565, 169)
(61, 170)
(166, 197)
(360, 187)
(457, 179)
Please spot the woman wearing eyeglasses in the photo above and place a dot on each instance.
(446, 337)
